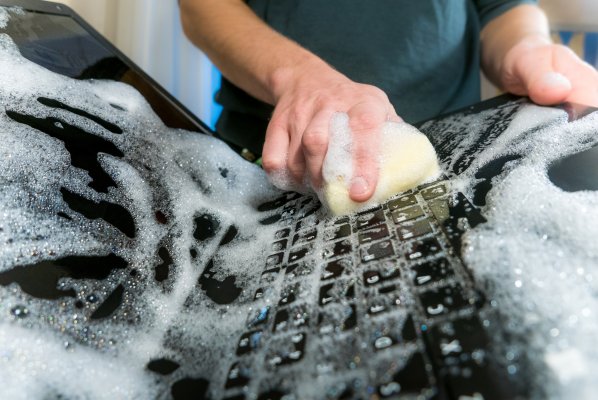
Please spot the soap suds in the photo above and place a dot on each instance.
(537, 254)
(194, 205)
(180, 191)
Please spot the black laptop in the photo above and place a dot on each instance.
(382, 304)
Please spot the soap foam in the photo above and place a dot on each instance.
(53, 347)
(537, 253)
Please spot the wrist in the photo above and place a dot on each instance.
(286, 77)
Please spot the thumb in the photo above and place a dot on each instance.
(543, 83)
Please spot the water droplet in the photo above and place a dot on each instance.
(92, 298)
(19, 311)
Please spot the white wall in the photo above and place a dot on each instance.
(574, 15)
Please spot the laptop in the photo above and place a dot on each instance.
(229, 297)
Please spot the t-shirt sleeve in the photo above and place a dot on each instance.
(490, 9)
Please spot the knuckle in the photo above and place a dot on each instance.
(276, 125)
(272, 163)
(296, 170)
(364, 121)
(314, 141)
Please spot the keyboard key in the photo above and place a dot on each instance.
(337, 320)
(377, 251)
(433, 191)
(288, 352)
(310, 210)
(382, 303)
(342, 221)
(337, 249)
(279, 202)
(408, 333)
(288, 318)
(283, 233)
(258, 294)
(289, 212)
(431, 271)
(412, 378)
(443, 300)
(381, 275)
(335, 268)
(423, 248)
(343, 391)
(337, 232)
(249, 342)
(407, 214)
(336, 291)
(371, 278)
(238, 376)
(305, 236)
(269, 275)
(258, 317)
(271, 219)
(276, 395)
(305, 223)
(274, 259)
(279, 245)
(385, 333)
(298, 254)
(414, 229)
(402, 202)
(387, 289)
(371, 235)
(236, 397)
(289, 294)
(300, 269)
(460, 349)
(369, 219)
(440, 208)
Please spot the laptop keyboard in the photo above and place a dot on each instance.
(378, 303)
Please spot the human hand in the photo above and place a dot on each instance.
(549, 74)
(297, 137)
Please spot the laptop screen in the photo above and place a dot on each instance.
(63, 45)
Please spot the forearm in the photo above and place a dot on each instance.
(525, 25)
(247, 51)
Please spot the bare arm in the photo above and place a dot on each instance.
(303, 88)
(246, 50)
(519, 56)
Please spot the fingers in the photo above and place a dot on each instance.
(554, 74)
(584, 79)
(539, 75)
(282, 154)
(315, 145)
(298, 121)
(276, 146)
(557, 74)
(365, 122)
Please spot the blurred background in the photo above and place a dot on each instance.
(150, 33)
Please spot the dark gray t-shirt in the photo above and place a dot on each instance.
(424, 54)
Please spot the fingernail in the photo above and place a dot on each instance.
(555, 79)
(359, 186)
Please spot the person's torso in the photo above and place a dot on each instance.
(423, 54)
